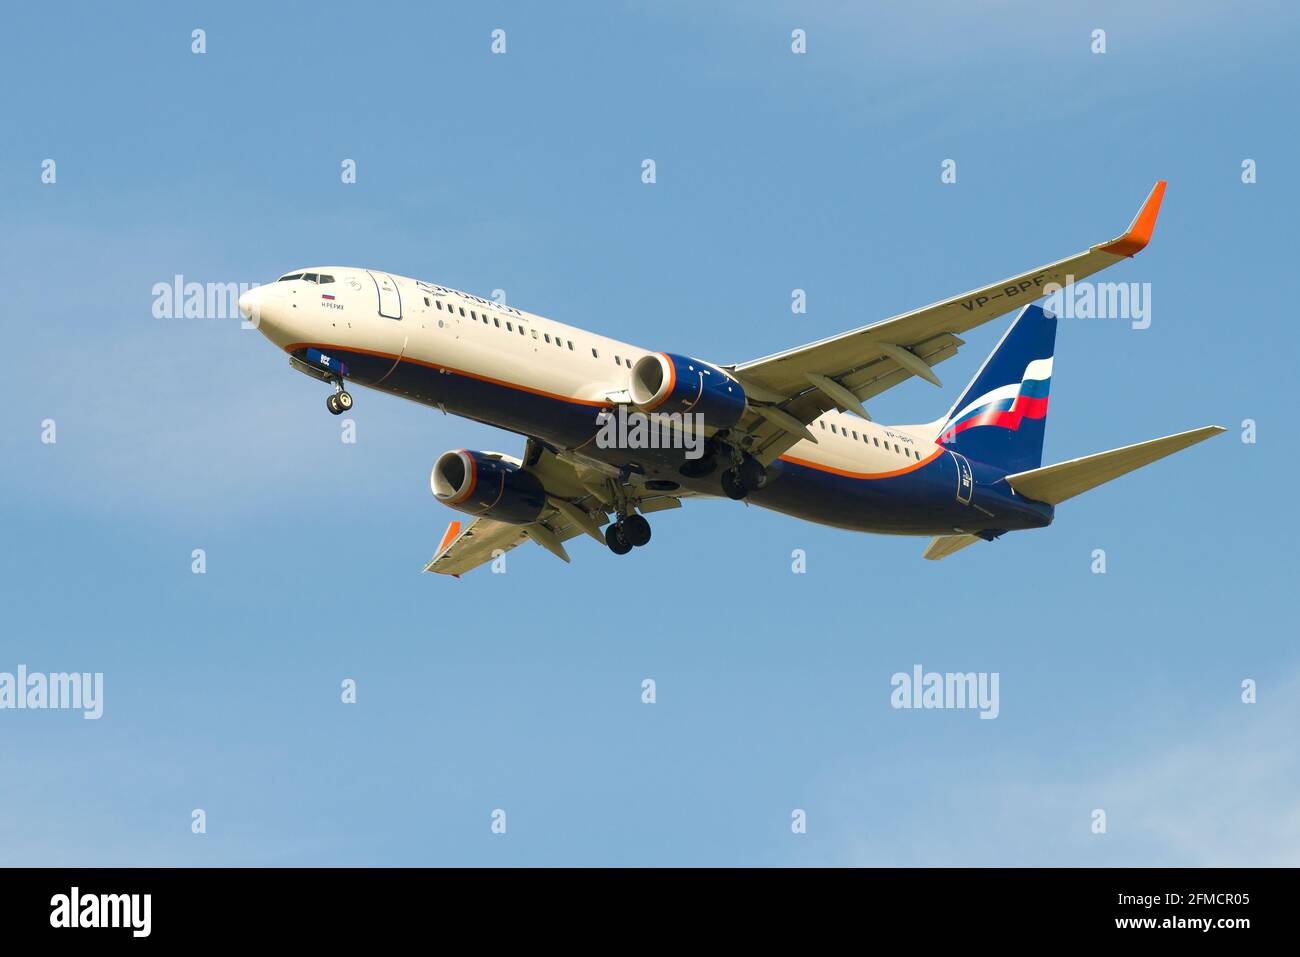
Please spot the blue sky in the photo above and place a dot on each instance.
(523, 691)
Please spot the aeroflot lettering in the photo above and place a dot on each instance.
(444, 291)
(102, 910)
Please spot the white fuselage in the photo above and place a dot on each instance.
(415, 321)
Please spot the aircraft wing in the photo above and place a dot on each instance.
(792, 388)
(475, 541)
(580, 500)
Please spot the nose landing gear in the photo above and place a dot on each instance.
(340, 400)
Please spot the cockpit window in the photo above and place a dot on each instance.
(324, 279)
(296, 275)
(310, 277)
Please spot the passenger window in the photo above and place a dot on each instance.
(473, 318)
(855, 436)
(876, 442)
(617, 362)
(521, 330)
(834, 431)
(548, 338)
(439, 304)
(510, 327)
(594, 353)
(628, 363)
(822, 423)
(462, 311)
(570, 345)
(426, 300)
(534, 333)
(496, 322)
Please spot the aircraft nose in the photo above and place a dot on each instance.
(248, 303)
(264, 309)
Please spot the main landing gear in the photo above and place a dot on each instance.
(747, 475)
(627, 533)
(340, 400)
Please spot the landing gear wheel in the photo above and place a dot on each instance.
(752, 474)
(731, 486)
(343, 399)
(636, 530)
(615, 540)
(332, 403)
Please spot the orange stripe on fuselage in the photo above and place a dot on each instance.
(599, 404)
(439, 367)
(864, 475)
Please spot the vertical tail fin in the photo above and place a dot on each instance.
(1001, 417)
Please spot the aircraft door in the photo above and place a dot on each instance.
(390, 297)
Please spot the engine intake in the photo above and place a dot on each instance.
(483, 483)
(668, 383)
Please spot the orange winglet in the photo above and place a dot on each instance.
(1139, 231)
(452, 531)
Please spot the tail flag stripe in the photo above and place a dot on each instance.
(990, 422)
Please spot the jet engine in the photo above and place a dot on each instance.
(485, 483)
(667, 383)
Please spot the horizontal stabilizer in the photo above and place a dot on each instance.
(1054, 484)
(941, 546)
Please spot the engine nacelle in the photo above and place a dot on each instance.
(483, 483)
(667, 383)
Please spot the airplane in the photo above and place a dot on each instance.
(788, 432)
